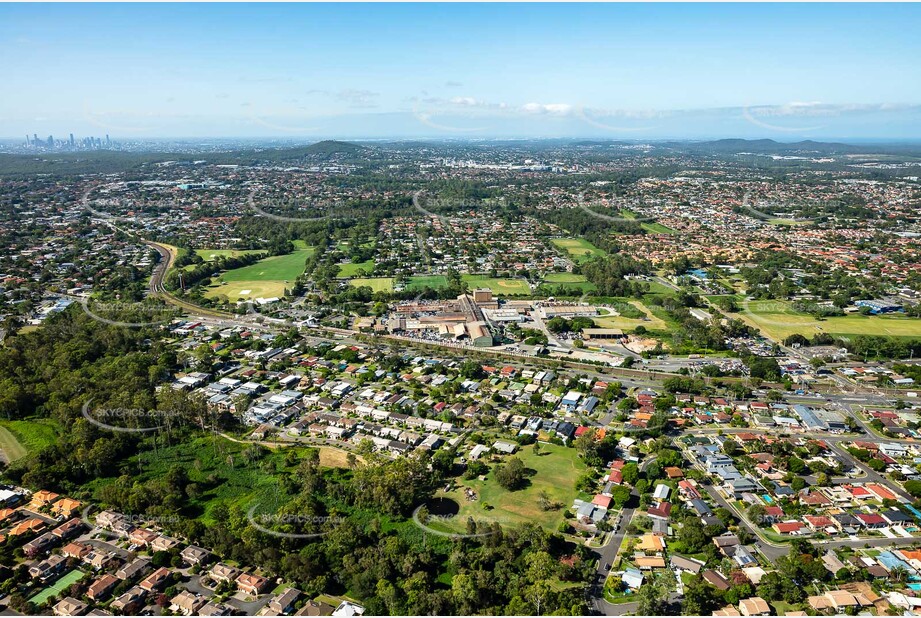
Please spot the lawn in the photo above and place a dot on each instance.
(17, 438)
(657, 288)
(354, 269)
(377, 284)
(579, 249)
(419, 282)
(267, 278)
(58, 587)
(555, 472)
(212, 254)
(778, 320)
(572, 281)
(499, 287)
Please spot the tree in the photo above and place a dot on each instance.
(511, 475)
(913, 488)
(756, 514)
(631, 473)
(653, 596)
(620, 496)
(540, 573)
(700, 598)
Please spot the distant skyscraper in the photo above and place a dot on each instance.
(107, 139)
(71, 140)
(28, 143)
(50, 141)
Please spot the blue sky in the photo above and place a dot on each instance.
(785, 71)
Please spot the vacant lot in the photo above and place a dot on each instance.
(377, 284)
(499, 287)
(628, 324)
(778, 320)
(554, 471)
(579, 249)
(335, 457)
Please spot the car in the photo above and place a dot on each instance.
(607, 567)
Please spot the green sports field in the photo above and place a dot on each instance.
(579, 249)
(266, 278)
(211, 254)
(778, 320)
(356, 268)
(571, 281)
(499, 287)
(436, 282)
(377, 284)
(790, 222)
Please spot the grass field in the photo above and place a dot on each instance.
(628, 324)
(579, 249)
(556, 470)
(18, 438)
(657, 228)
(377, 284)
(334, 457)
(354, 269)
(651, 227)
(58, 587)
(499, 287)
(572, 281)
(778, 320)
(10, 448)
(436, 282)
(266, 278)
(790, 222)
(211, 254)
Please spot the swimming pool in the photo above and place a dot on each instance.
(767, 499)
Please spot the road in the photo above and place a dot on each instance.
(607, 555)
